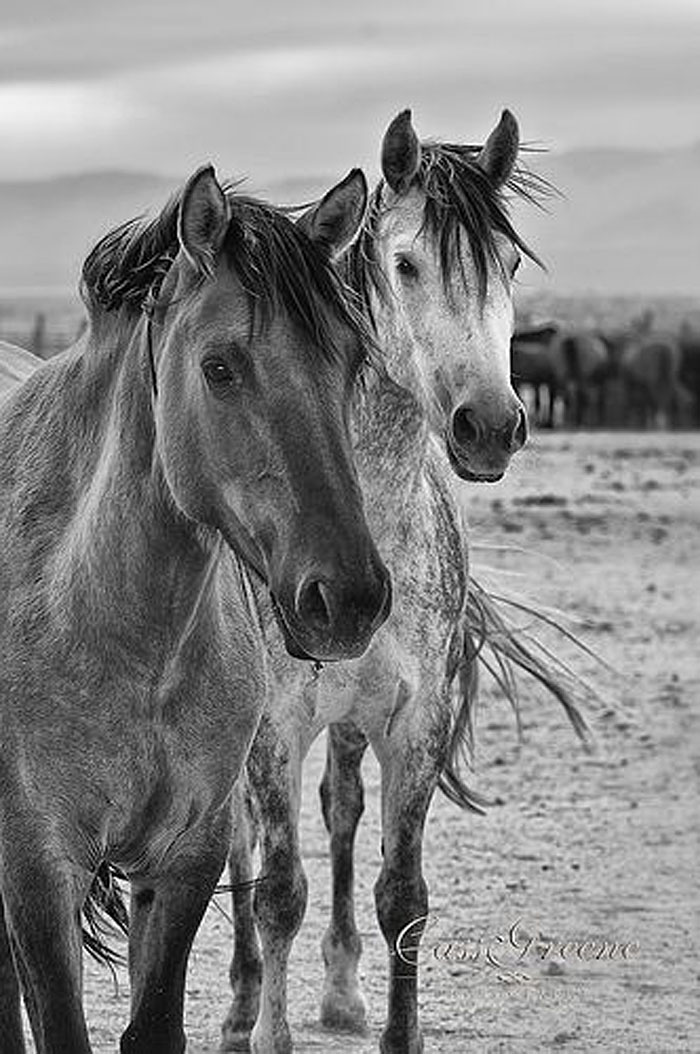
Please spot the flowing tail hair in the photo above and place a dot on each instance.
(104, 916)
(488, 638)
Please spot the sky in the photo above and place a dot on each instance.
(286, 88)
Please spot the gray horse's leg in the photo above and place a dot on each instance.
(245, 973)
(342, 1005)
(165, 915)
(410, 766)
(274, 769)
(42, 898)
(11, 1032)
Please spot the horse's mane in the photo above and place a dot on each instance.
(461, 200)
(277, 264)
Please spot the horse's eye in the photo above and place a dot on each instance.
(515, 265)
(217, 373)
(406, 268)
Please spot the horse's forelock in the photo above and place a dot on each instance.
(278, 266)
(460, 201)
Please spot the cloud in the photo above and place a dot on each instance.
(265, 72)
(275, 88)
(54, 111)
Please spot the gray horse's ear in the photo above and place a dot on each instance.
(333, 223)
(500, 151)
(203, 219)
(400, 153)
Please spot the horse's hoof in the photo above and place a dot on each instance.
(234, 1037)
(341, 1012)
(393, 1044)
(263, 1042)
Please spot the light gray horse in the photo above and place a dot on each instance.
(434, 268)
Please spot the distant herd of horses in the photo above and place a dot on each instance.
(637, 376)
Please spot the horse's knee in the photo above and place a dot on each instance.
(281, 895)
(399, 899)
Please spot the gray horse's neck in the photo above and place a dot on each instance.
(391, 437)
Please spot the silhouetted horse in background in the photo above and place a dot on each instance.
(690, 368)
(587, 369)
(537, 364)
(563, 363)
(198, 432)
(649, 364)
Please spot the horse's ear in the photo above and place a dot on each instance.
(203, 220)
(335, 220)
(400, 153)
(500, 151)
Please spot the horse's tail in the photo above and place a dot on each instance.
(105, 915)
(488, 638)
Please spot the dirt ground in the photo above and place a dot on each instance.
(578, 847)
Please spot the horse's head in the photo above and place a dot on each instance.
(444, 254)
(255, 352)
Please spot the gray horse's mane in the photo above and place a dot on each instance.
(277, 264)
(461, 201)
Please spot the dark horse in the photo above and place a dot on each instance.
(565, 363)
(434, 269)
(690, 368)
(143, 473)
(588, 369)
(650, 363)
(537, 364)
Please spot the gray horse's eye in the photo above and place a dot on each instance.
(406, 268)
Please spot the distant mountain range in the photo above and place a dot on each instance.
(629, 221)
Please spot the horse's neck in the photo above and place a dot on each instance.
(391, 432)
(127, 556)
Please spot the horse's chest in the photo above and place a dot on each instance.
(145, 757)
(166, 801)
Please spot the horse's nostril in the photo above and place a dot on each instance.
(313, 605)
(465, 427)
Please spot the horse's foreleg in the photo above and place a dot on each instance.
(280, 893)
(342, 1006)
(552, 394)
(409, 775)
(42, 901)
(165, 914)
(245, 973)
(11, 1032)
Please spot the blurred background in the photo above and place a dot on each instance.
(107, 107)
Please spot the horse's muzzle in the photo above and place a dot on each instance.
(480, 450)
(330, 619)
